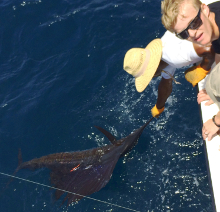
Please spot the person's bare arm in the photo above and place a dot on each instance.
(209, 129)
(207, 53)
(164, 91)
(161, 66)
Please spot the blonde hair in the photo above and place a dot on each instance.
(170, 10)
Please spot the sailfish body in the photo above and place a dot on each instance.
(82, 173)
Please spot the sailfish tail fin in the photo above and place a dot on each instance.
(16, 170)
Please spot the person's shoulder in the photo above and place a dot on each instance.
(171, 39)
(168, 36)
(207, 2)
(171, 43)
(214, 6)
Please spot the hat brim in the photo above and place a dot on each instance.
(155, 48)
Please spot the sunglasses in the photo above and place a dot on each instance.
(194, 24)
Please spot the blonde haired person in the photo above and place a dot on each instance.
(198, 23)
(194, 21)
(171, 9)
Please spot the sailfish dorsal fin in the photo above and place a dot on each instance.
(107, 134)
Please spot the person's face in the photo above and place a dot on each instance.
(201, 35)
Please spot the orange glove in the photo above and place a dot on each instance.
(195, 74)
(156, 112)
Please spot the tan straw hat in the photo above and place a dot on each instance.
(142, 63)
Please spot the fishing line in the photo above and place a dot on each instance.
(8, 175)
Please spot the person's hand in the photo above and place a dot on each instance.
(203, 96)
(209, 130)
(156, 112)
(195, 74)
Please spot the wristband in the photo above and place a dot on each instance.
(213, 119)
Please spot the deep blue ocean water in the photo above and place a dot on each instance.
(61, 73)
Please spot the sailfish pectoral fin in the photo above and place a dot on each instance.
(82, 181)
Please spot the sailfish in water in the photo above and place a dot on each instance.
(82, 173)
